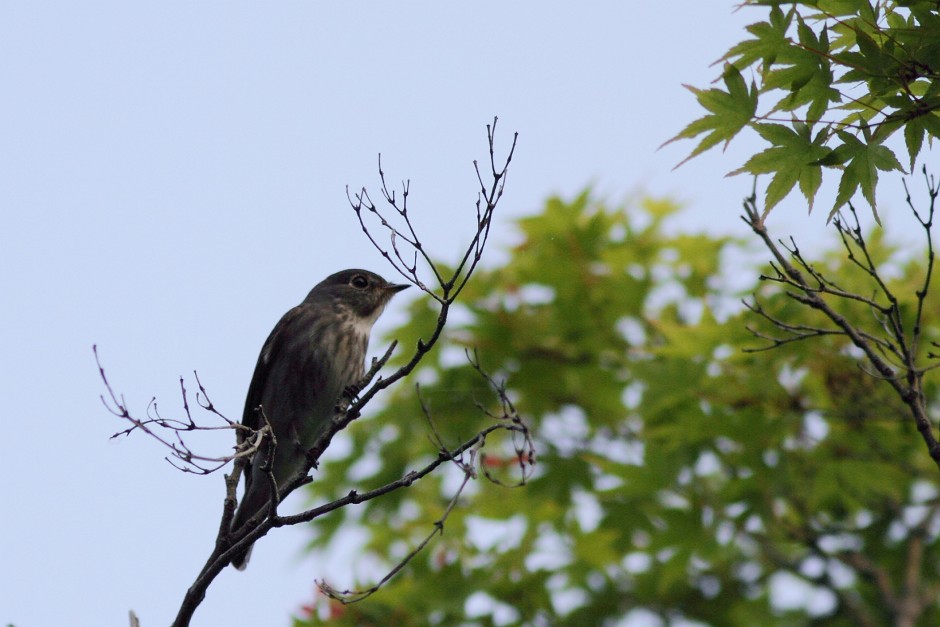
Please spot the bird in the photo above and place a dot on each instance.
(314, 354)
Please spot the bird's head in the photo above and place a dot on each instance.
(359, 293)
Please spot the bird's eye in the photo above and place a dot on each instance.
(359, 281)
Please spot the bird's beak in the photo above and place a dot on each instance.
(396, 287)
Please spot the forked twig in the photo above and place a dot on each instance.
(408, 256)
(892, 350)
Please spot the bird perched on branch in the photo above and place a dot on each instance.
(316, 351)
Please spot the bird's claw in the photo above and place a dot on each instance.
(351, 391)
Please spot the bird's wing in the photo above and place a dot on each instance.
(269, 351)
(272, 347)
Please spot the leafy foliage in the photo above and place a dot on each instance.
(678, 476)
(837, 78)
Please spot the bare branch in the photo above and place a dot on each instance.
(405, 253)
(892, 349)
(181, 456)
(350, 596)
(508, 420)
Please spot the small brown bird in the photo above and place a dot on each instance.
(314, 353)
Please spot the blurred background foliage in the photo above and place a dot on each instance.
(678, 478)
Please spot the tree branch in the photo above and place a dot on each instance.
(403, 253)
(893, 354)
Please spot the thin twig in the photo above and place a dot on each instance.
(893, 352)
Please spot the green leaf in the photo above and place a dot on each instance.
(794, 158)
(914, 132)
(770, 41)
(864, 162)
(730, 111)
(869, 66)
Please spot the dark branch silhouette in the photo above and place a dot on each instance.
(406, 253)
(893, 348)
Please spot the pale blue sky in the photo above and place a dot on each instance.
(172, 180)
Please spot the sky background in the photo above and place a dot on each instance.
(172, 179)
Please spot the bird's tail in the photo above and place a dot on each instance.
(251, 504)
(240, 561)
